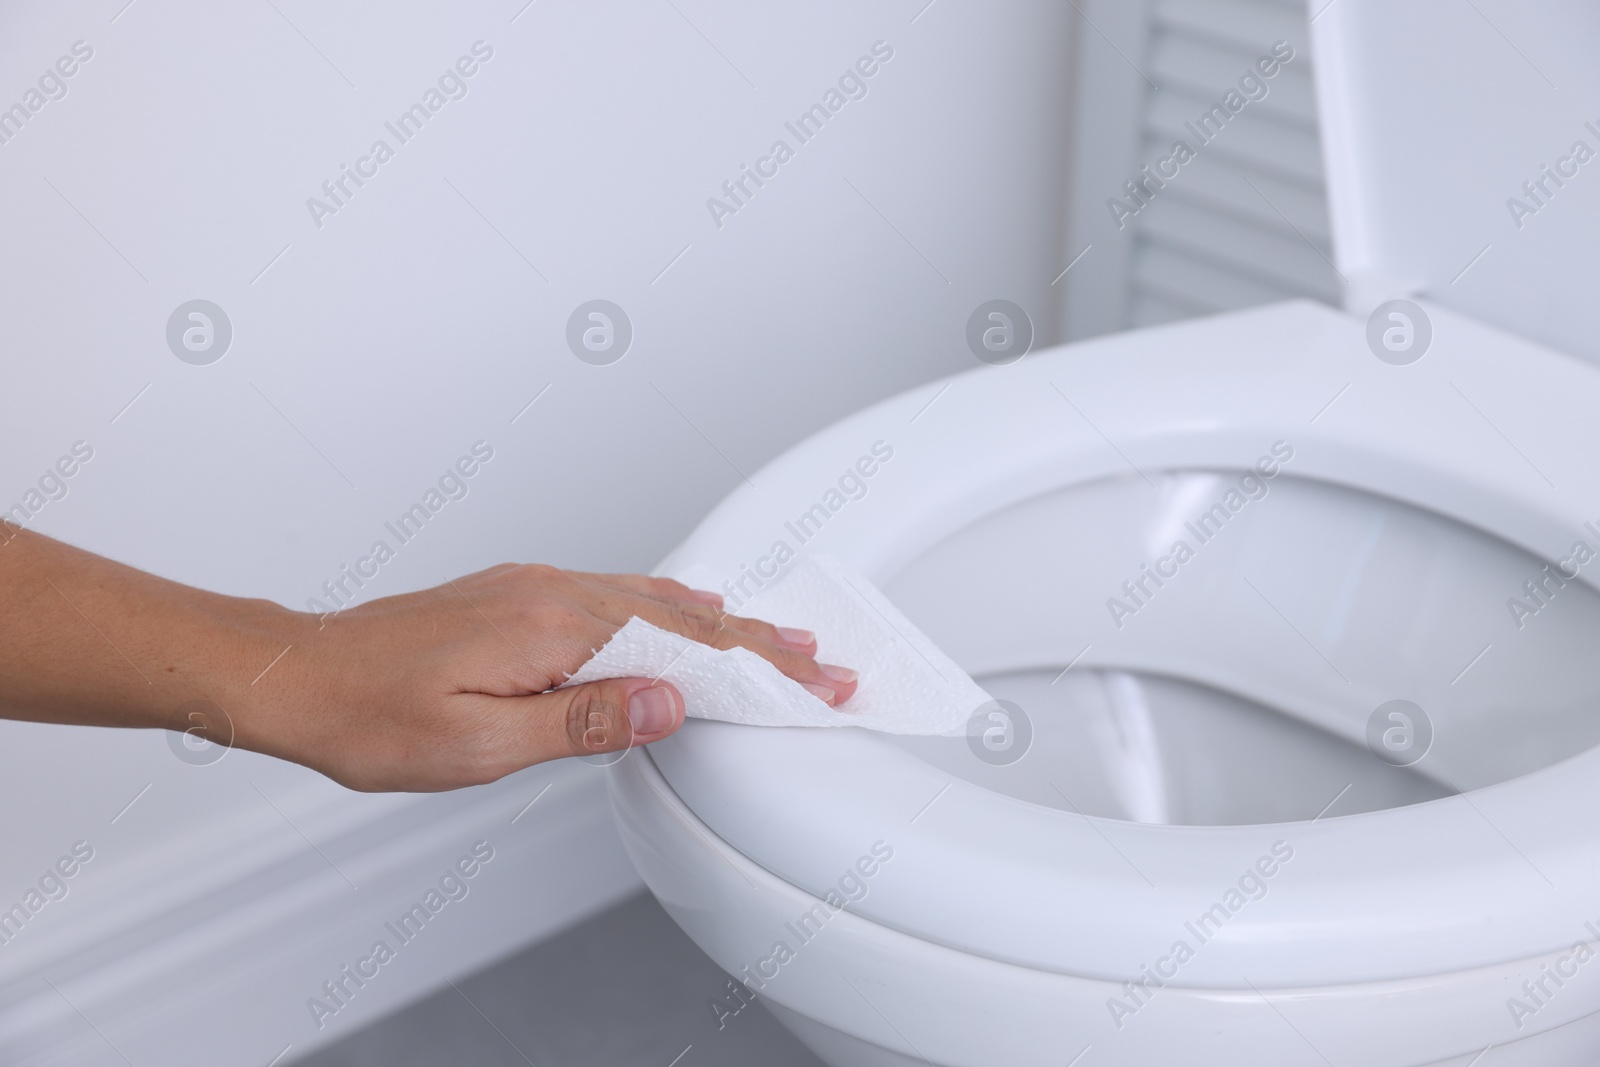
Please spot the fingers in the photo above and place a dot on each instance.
(585, 609)
(699, 622)
(587, 720)
(660, 588)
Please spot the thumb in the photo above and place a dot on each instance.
(604, 716)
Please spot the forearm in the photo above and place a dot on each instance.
(89, 641)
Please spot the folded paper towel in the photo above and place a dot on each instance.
(907, 685)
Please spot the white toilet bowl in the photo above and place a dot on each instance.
(1197, 748)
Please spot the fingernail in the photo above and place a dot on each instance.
(821, 692)
(707, 596)
(652, 710)
(842, 675)
(797, 638)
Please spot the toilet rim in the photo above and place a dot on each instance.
(1500, 874)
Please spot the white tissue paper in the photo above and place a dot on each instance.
(907, 685)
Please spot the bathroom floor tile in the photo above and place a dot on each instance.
(623, 989)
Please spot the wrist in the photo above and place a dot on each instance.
(236, 694)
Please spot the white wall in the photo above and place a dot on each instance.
(376, 349)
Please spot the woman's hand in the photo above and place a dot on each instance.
(448, 687)
(452, 686)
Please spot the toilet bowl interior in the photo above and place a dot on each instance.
(1224, 647)
(1155, 749)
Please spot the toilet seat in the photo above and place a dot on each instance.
(1504, 873)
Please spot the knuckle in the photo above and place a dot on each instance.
(670, 587)
(763, 630)
(547, 613)
(595, 722)
(795, 664)
(536, 573)
(699, 622)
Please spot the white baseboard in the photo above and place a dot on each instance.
(217, 948)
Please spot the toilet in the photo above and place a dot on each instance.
(1291, 616)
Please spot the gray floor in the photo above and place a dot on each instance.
(624, 989)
